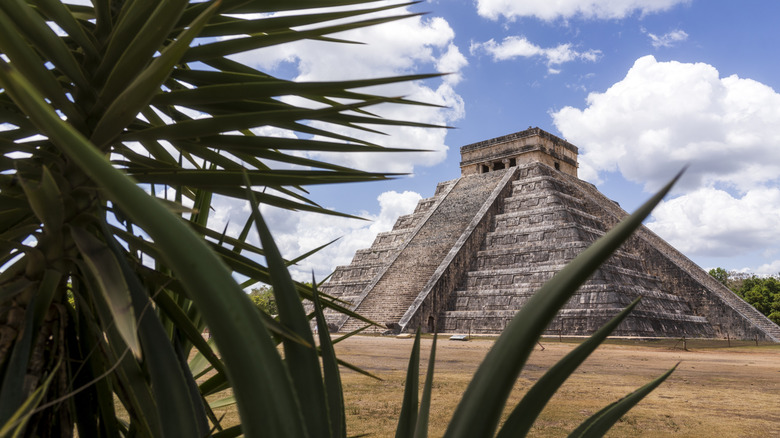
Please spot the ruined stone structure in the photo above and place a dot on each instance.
(469, 257)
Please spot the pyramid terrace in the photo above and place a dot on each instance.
(468, 258)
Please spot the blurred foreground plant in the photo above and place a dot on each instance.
(119, 123)
(117, 132)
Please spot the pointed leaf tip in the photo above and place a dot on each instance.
(112, 284)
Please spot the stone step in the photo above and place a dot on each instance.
(505, 257)
(361, 264)
(541, 183)
(355, 273)
(524, 236)
(585, 323)
(407, 222)
(549, 215)
(582, 300)
(443, 187)
(392, 238)
(337, 289)
(424, 205)
(605, 311)
(588, 293)
(378, 248)
(542, 199)
(617, 300)
(534, 276)
(374, 255)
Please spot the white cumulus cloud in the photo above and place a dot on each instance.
(520, 47)
(712, 222)
(409, 46)
(564, 9)
(451, 62)
(298, 233)
(302, 232)
(666, 40)
(772, 268)
(665, 115)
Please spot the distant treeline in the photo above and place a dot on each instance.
(263, 297)
(763, 293)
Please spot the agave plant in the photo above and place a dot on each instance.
(121, 121)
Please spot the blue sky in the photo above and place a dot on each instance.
(642, 87)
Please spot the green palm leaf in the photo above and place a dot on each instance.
(146, 85)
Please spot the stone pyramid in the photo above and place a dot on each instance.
(469, 257)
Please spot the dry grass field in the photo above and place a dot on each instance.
(716, 391)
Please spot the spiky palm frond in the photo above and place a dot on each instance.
(121, 122)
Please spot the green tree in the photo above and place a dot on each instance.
(721, 275)
(748, 282)
(119, 131)
(775, 306)
(263, 298)
(763, 293)
(757, 296)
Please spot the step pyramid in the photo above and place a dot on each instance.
(471, 256)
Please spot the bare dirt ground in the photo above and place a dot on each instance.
(715, 391)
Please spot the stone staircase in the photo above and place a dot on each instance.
(545, 224)
(394, 290)
(348, 282)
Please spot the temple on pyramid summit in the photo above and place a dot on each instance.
(470, 257)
